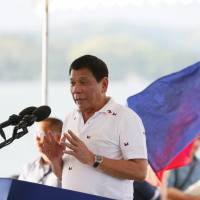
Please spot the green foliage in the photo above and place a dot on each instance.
(150, 52)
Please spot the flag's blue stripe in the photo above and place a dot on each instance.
(170, 111)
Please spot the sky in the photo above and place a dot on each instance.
(26, 15)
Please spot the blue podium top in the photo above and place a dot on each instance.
(15, 189)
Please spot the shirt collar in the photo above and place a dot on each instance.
(107, 108)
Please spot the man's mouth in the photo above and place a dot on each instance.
(78, 100)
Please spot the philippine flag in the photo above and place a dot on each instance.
(170, 111)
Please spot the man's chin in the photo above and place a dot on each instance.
(80, 107)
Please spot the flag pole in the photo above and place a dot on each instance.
(45, 54)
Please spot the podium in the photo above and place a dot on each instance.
(11, 189)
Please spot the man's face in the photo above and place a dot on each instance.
(43, 127)
(86, 91)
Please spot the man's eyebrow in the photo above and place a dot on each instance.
(82, 77)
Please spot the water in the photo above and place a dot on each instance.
(15, 96)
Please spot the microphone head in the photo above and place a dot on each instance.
(42, 113)
(15, 119)
(28, 111)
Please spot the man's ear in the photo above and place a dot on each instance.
(104, 84)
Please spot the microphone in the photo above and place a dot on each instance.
(37, 115)
(15, 119)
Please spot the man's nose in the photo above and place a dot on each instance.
(76, 89)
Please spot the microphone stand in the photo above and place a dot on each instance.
(6, 141)
(16, 135)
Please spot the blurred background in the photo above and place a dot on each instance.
(140, 40)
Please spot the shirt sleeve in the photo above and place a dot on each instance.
(132, 136)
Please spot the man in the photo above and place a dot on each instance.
(181, 178)
(183, 181)
(105, 142)
(39, 171)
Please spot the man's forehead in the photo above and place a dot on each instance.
(81, 72)
(43, 124)
(40, 132)
(75, 77)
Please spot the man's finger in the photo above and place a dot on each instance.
(49, 134)
(74, 136)
(71, 140)
(70, 146)
(48, 137)
(69, 152)
(63, 138)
